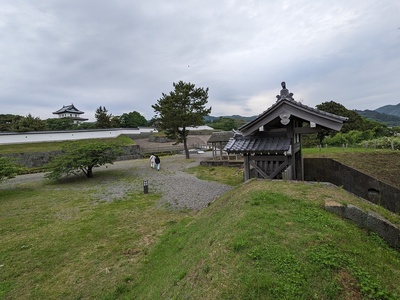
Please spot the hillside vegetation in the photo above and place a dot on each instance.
(390, 109)
(388, 119)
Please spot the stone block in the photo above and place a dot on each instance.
(335, 207)
(356, 215)
(386, 230)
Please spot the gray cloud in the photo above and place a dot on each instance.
(124, 54)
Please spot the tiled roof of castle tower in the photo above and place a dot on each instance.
(68, 109)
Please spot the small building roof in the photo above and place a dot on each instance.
(220, 136)
(258, 144)
(285, 107)
(68, 109)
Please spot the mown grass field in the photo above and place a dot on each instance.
(53, 146)
(263, 240)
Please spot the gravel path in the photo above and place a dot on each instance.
(179, 189)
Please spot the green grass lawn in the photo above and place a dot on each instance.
(59, 241)
(263, 240)
(53, 146)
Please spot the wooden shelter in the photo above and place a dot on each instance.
(218, 141)
(271, 143)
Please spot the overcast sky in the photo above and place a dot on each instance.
(123, 54)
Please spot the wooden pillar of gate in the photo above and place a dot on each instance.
(246, 167)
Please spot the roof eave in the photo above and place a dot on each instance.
(319, 117)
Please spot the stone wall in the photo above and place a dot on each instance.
(130, 152)
(39, 159)
(159, 139)
(360, 184)
(369, 220)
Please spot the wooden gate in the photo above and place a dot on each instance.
(267, 167)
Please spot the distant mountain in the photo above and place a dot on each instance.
(390, 110)
(389, 120)
(388, 114)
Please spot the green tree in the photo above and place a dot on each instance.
(355, 121)
(6, 121)
(226, 123)
(184, 107)
(115, 121)
(395, 131)
(132, 120)
(87, 125)
(8, 168)
(28, 123)
(103, 119)
(82, 157)
(60, 124)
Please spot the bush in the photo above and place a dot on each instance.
(382, 143)
(8, 168)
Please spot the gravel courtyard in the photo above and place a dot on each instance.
(179, 189)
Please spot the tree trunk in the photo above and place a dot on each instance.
(186, 147)
(89, 173)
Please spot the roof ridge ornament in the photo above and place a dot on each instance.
(284, 93)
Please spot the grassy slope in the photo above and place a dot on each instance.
(267, 241)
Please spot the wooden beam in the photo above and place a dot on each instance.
(279, 169)
(259, 170)
(269, 157)
(296, 148)
(305, 130)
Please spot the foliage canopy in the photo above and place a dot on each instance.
(103, 119)
(355, 122)
(184, 107)
(226, 123)
(132, 120)
(61, 124)
(28, 123)
(8, 168)
(81, 157)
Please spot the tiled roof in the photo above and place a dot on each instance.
(297, 105)
(257, 144)
(222, 136)
(68, 109)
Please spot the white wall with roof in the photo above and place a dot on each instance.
(56, 136)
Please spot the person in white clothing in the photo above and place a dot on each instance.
(152, 161)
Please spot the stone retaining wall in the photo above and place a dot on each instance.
(356, 182)
(369, 220)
